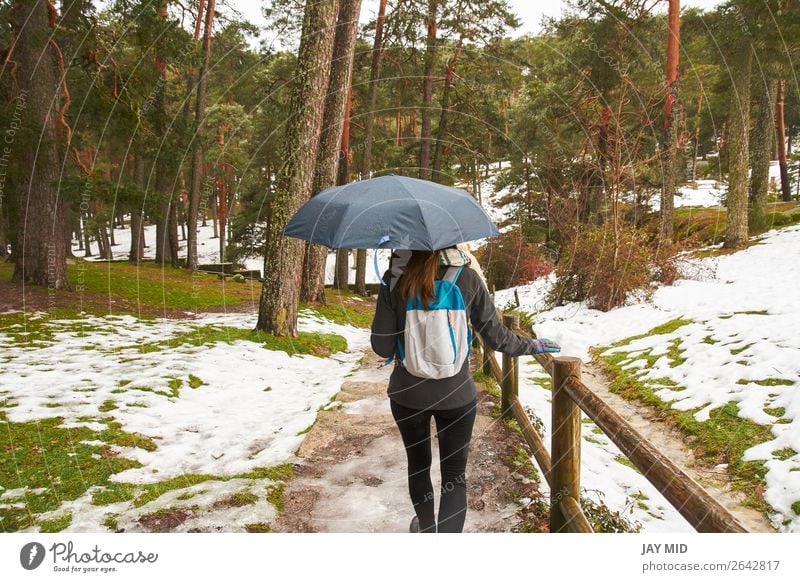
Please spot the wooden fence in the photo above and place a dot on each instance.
(561, 464)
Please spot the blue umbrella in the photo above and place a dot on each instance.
(391, 212)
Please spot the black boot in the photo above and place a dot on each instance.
(414, 527)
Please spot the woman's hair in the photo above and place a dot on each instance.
(418, 277)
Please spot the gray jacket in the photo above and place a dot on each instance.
(446, 393)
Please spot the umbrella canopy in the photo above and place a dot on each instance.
(391, 212)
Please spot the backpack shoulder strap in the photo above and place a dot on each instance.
(452, 273)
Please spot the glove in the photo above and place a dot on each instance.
(543, 345)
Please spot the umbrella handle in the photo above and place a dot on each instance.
(375, 265)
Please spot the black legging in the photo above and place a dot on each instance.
(454, 430)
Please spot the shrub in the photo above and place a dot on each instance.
(509, 260)
(604, 269)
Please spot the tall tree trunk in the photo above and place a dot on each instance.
(197, 151)
(4, 233)
(73, 23)
(739, 147)
(172, 231)
(342, 278)
(198, 25)
(41, 246)
(427, 92)
(164, 181)
(670, 141)
(136, 252)
(445, 109)
(366, 170)
(283, 256)
(329, 157)
(786, 190)
(222, 198)
(761, 153)
(372, 99)
(87, 239)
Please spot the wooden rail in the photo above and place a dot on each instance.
(561, 464)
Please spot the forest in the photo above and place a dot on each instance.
(171, 361)
(134, 113)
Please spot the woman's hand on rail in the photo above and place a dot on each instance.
(544, 345)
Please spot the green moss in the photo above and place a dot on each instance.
(260, 527)
(768, 382)
(315, 344)
(142, 494)
(722, 438)
(776, 412)
(784, 454)
(43, 454)
(282, 472)
(730, 315)
(663, 329)
(674, 353)
(111, 521)
(275, 495)
(153, 286)
(544, 382)
(38, 328)
(738, 351)
(56, 524)
(623, 460)
(796, 507)
(195, 382)
(710, 340)
(342, 307)
(305, 430)
(242, 498)
(107, 406)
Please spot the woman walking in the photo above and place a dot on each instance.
(421, 322)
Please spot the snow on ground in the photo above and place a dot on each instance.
(246, 413)
(711, 193)
(739, 344)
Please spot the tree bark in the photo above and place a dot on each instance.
(427, 93)
(670, 141)
(40, 247)
(342, 278)
(197, 151)
(366, 171)
(372, 99)
(445, 109)
(329, 155)
(136, 252)
(761, 153)
(283, 256)
(739, 147)
(786, 189)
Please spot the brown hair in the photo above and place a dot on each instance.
(419, 275)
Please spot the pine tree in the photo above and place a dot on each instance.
(280, 294)
(329, 155)
(40, 246)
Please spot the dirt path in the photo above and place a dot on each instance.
(672, 443)
(351, 476)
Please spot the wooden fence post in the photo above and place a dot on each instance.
(510, 382)
(565, 444)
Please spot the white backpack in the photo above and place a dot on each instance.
(437, 340)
